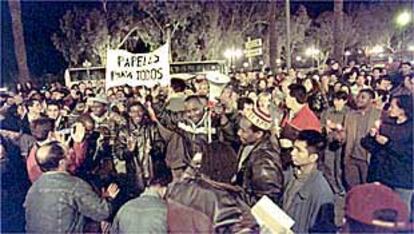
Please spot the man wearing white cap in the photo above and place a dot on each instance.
(99, 110)
(259, 169)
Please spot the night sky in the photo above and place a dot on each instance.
(41, 20)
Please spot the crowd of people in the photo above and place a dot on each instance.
(333, 149)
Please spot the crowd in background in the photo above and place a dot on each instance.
(323, 146)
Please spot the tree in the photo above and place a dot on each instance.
(383, 30)
(19, 43)
(228, 24)
(273, 38)
(300, 25)
(338, 30)
(86, 34)
(199, 30)
(321, 33)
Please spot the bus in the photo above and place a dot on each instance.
(179, 70)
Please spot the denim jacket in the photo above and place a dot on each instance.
(59, 202)
(145, 214)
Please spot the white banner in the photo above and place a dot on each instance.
(147, 69)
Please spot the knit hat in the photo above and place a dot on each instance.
(259, 118)
(99, 98)
(364, 203)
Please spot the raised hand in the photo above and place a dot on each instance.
(131, 143)
(151, 111)
(381, 139)
(111, 192)
(78, 132)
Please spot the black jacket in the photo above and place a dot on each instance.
(261, 173)
(391, 164)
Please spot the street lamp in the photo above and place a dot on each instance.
(411, 48)
(403, 18)
(87, 64)
(278, 61)
(347, 54)
(298, 58)
(377, 49)
(313, 52)
(232, 54)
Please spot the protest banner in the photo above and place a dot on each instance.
(146, 69)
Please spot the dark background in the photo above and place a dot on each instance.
(41, 20)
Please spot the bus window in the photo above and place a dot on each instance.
(95, 74)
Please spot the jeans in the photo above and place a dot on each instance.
(406, 195)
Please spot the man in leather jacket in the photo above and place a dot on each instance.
(219, 205)
(259, 169)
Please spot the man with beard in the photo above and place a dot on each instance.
(99, 111)
(192, 135)
(357, 125)
(134, 143)
(259, 170)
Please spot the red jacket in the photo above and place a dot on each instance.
(305, 119)
(77, 155)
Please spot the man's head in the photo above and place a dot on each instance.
(201, 85)
(307, 148)
(42, 128)
(361, 79)
(53, 109)
(34, 106)
(249, 133)
(82, 86)
(161, 177)
(245, 104)
(340, 99)
(52, 157)
(194, 107)
(334, 65)
(374, 208)
(58, 94)
(384, 83)
(98, 108)
(364, 99)
(264, 100)
(136, 112)
(409, 82)
(376, 72)
(405, 68)
(254, 126)
(262, 84)
(161, 174)
(98, 105)
(401, 106)
(296, 96)
(88, 122)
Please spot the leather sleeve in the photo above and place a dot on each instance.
(266, 178)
